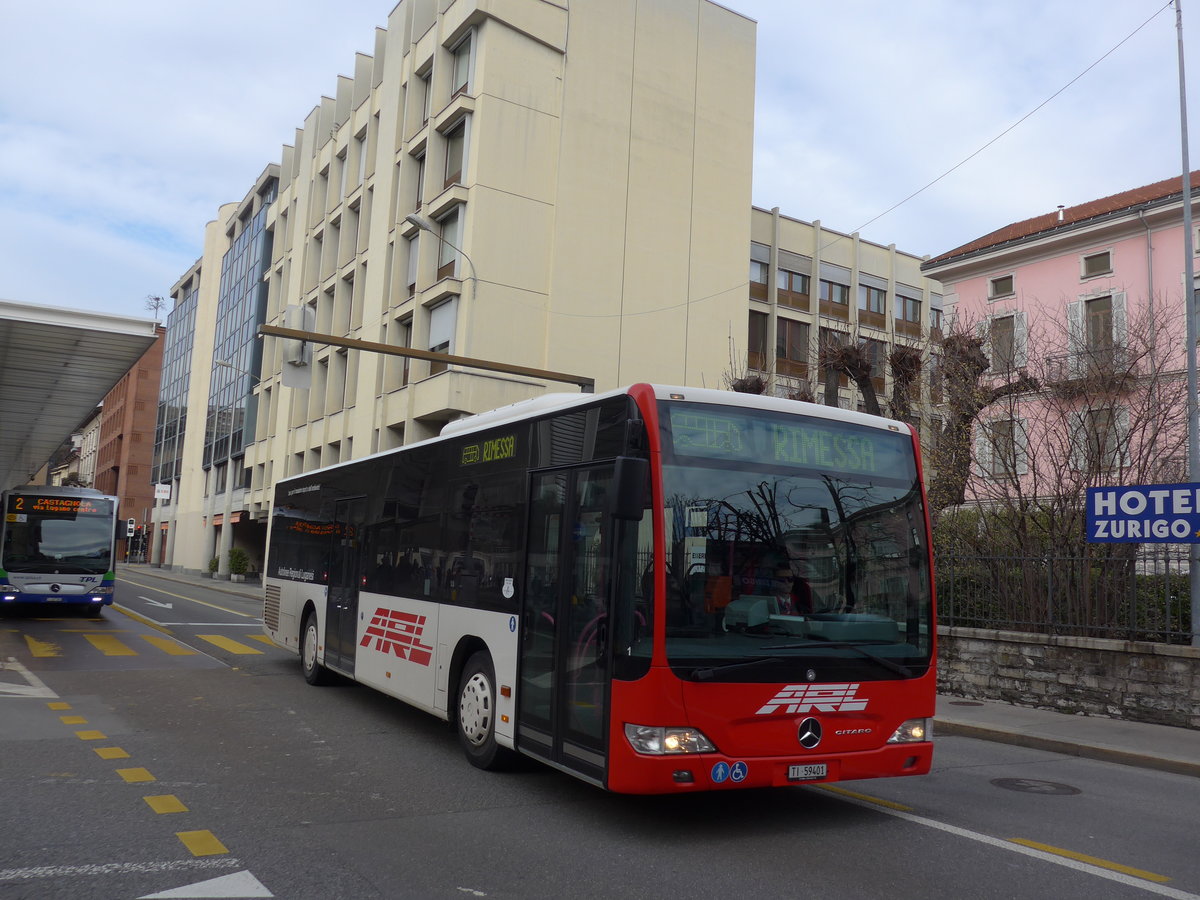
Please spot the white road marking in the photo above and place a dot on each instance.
(239, 885)
(34, 686)
(1131, 881)
(32, 872)
(158, 603)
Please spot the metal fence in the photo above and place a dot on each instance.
(1142, 597)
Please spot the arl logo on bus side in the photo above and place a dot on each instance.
(398, 633)
(803, 698)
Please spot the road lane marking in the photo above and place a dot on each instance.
(877, 801)
(111, 753)
(73, 720)
(91, 735)
(59, 705)
(31, 872)
(158, 603)
(229, 644)
(201, 843)
(232, 612)
(165, 803)
(41, 649)
(242, 885)
(1120, 877)
(109, 646)
(1092, 860)
(136, 775)
(167, 645)
(33, 687)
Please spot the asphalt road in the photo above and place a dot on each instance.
(191, 760)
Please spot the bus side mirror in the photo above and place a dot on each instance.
(628, 497)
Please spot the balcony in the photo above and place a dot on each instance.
(1089, 369)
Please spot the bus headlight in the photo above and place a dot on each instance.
(9, 592)
(912, 731)
(665, 741)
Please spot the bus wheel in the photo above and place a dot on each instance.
(314, 672)
(477, 714)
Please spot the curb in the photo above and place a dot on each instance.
(1068, 748)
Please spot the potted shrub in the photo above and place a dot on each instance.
(213, 565)
(239, 563)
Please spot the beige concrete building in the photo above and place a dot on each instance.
(809, 284)
(579, 186)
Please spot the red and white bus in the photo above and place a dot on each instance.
(655, 589)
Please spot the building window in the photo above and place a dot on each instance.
(833, 292)
(423, 80)
(871, 299)
(419, 191)
(412, 264)
(908, 309)
(796, 282)
(360, 154)
(758, 272)
(405, 341)
(1003, 286)
(461, 69)
(442, 321)
(756, 356)
(450, 231)
(791, 347)
(935, 319)
(1003, 336)
(1095, 264)
(1001, 448)
(455, 152)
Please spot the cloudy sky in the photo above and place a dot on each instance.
(123, 125)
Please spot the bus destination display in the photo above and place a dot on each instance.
(801, 442)
(25, 504)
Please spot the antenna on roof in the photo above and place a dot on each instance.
(1060, 212)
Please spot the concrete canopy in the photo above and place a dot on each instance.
(55, 365)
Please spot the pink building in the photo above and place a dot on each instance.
(1087, 301)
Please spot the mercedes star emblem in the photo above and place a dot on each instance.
(810, 733)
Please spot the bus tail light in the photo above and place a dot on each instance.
(912, 731)
(656, 741)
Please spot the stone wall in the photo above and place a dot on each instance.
(1141, 682)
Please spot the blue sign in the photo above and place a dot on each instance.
(739, 771)
(1148, 513)
(720, 772)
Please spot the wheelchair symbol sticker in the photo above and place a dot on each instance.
(723, 772)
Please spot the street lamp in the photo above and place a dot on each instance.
(227, 512)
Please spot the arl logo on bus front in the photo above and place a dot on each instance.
(1149, 513)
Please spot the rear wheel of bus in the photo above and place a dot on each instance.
(476, 718)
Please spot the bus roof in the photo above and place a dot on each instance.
(545, 404)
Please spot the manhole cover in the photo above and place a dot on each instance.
(1030, 786)
(964, 703)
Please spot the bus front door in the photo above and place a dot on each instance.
(565, 662)
(341, 610)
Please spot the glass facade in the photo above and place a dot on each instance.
(241, 308)
(173, 391)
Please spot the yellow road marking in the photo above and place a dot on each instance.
(91, 735)
(135, 776)
(233, 612)
(73, 720)
(59, 705)
(201, 843)
(228, 644)
(1092, 860)
(864, 797)
(148, 622)
(263, 638)
(109, 646)
(166, 645)
(165, 803)
(42, 648)
(111, 753)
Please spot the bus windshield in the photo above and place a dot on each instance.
(65, 541)
(796, 548)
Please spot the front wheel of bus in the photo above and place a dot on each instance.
(314, 672)
(477, 714)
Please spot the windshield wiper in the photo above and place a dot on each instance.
(890, 665)
(706, 674)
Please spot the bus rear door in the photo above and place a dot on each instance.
(341, 616)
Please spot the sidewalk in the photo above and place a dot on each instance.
(1092, 737)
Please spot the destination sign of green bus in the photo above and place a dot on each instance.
(492, 450)
(800, 442)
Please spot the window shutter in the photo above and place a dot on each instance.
(984, 330)
(1020, 341)
(1120, 329)
(1021, 440)
(1075, 336)
(983, 449)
